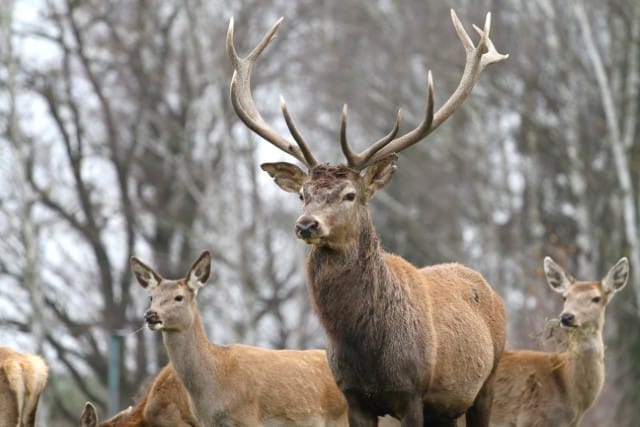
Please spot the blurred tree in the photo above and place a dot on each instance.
(122, 141)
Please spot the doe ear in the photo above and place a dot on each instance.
(379, 174)
(199, 272)
(557, 279)
(287, 176)
(617, 276)
(89, 417)
(145, 275)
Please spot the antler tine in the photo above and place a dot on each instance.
(304, 147)
(244, 105)
(344, 144)
(422, 130)
(357, 161)
(477, 58)
(365, 156)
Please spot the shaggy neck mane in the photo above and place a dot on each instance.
(354, 290)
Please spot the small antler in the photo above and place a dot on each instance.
(245, 108)
(478, 57)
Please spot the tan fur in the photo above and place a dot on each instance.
(419, 344)
(23, 376)
(237, 384)
(165, 404)
(539, 389)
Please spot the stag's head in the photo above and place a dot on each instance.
(173, 304)
(585, 301)
(335, 197)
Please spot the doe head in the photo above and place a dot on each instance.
(585, 301)
(334, 198)
(172, 302)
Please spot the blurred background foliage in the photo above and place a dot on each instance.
(117, 138)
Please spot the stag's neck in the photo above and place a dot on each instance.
(585, 368)
(191, 354)
(349, 285)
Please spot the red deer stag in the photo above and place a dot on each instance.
(22, 379)
(538, 389)
(165, 404)
(418, 344)
(237, 385)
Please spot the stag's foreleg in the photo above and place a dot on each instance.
(413, 415)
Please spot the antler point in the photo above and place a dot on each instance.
(487, 25)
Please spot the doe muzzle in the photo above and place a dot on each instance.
(151, 317)
(567, 319)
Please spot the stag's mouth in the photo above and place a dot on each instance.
(312, 240)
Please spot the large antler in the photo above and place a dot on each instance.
(244, 106)
(478, 57)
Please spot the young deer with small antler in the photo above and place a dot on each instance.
(418, 344)
(23, 376)
(166, 404)
(539, 389)
(237, 385)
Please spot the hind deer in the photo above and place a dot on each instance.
(237, 384)
(538, 389)
(418, 344)
(23, 376)
(165, 404)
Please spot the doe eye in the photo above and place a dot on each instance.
(564, 298)
(596, 299)
(350, 197)
(301, 196)
(150, 298)
(179, 298)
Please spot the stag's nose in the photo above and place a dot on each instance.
(306, 227)
(151, 317)
(567, 319)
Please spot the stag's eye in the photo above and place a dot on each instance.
(301, 196)
(350, 197)
(150, 298)
(564, 298)
(596, 299)
(179, 298)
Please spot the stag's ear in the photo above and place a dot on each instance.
(558, 280)
(199, 272)
(288, 176)
(146, 276)
(617, 277)
(89, 418)
(379, 174)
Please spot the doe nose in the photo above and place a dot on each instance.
(567, 319)
(151, 316)
(306, 227)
